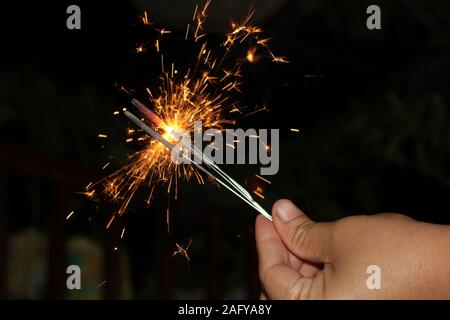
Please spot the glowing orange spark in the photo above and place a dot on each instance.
(258, 192)
(263, 179)
(251, 55)
(110, 221)
(278, 59)
(89, 194)
(69, 215)
(183, 251)
(163, 31)
(145, 19)
(263, 42)
(140, 48)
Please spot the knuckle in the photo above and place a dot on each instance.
(396, 217)
(298, 233)
(294, 291)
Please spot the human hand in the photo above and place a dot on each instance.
(302, 259)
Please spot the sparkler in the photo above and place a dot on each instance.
(204, 92)
(221, 177)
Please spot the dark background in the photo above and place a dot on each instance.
(374, 138)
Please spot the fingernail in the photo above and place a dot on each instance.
(287, 211)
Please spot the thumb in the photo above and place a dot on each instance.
(303, 237)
